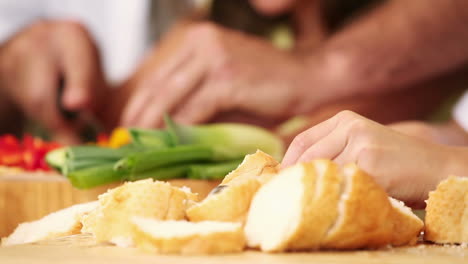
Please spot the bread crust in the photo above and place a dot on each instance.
(232, 203)
(48, 228)
(320, 205)
(218, 242)
(253, 165)
(447, 212)
(339, 209)
(406, 226)
(366, 214)
(145, 198)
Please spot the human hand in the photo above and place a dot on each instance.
(218, 70)
(32, 63)
(408, 168)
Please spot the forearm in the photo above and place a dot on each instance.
(395, 45)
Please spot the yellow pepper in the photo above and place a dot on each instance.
(119, 137)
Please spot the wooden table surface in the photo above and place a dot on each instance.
(82, 249)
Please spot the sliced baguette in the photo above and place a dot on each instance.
(318, 205)
(188, 238)
(58, 224)
(253, 165)
(304, 207)
(230, 201)
(146, 198)
(365, 214)
(447, 212)
(406, 225)
(321, 210)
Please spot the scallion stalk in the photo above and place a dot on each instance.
(148, 160)
(95, 176)
(161, 173)
(92, 152)
(152, 138)
(229, 141)
(212, 171)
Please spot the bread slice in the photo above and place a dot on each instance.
(406, 225)
(447, 212)
(318, 205)
(295, 209)
(61, 223)
(365, 214)
(146, 198)
(253, 165)
(230, 201)
(368, 218)
(182, 237)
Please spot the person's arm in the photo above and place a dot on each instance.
(393, 46)
(215, 70)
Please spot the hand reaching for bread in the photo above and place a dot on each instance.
(406, 167)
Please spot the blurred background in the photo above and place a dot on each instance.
(71, 69)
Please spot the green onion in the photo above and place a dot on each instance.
(95, 176)
(198, 152)
(91, 152)
(152, 138)
(148, 160)
(74, 165)
(161, 173)
(212, 171)
(229, 141)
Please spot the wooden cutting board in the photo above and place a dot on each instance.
(30, 196)
(82, 249)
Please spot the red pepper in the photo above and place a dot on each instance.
(28, 154)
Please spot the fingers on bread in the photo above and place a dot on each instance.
(447, 212)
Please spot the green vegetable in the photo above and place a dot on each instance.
(152, 138)
(161, 173)
(80, 164)
(95, 176)
(149, 160)
(56, 158)
(229, 141)
(70, 159)
(212, 171)
(95, 152)
(198, 171)
(198, 152)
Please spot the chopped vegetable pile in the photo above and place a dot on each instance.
(27, 153)
(198, 152)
